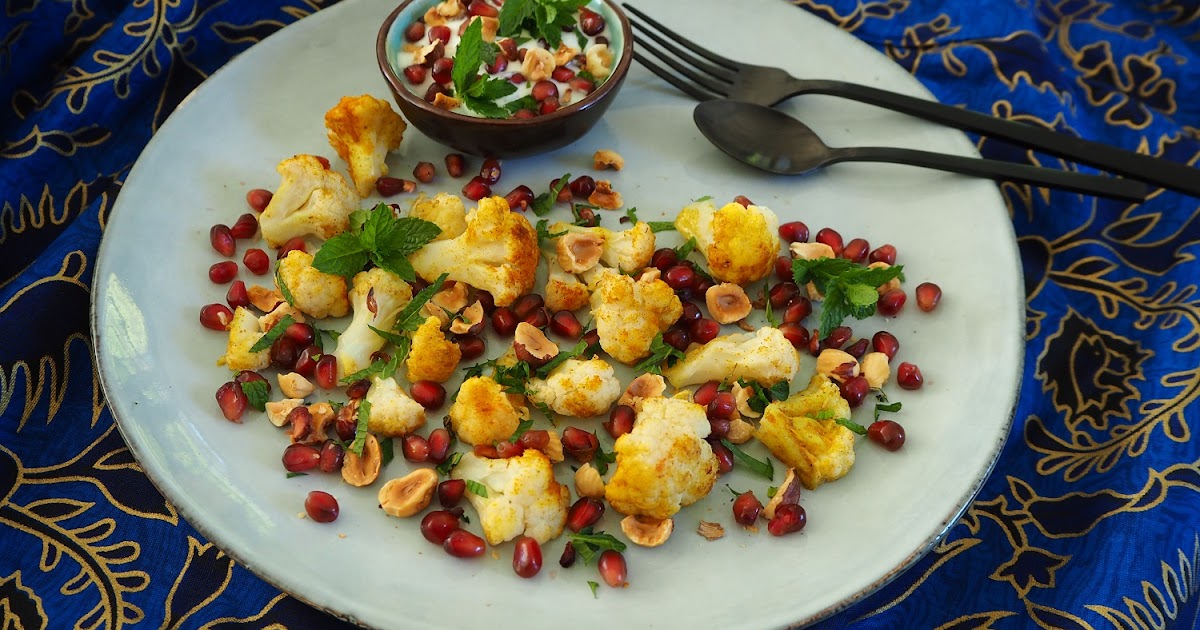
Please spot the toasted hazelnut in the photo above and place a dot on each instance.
(468, 319)
(532, 346)
(276, 315)
(813, 293)
(554, 448)
(727, 302)
(579, 252)
(811, 251)
(564, 54)
(433, 18)
(409, 494)
(264, 299)
(607, 159)
(588, 482)
(445, 102)
(423, 52)
(605, 197)
(875, 369)
(649, 274)
(644, 386)
(837, 364)
(645, 531)
(363, 470)
(894, 283)
(452, 297)
(538, 64)
(450, 8)
(742, 396)
(710, 530)
(740, 431)
(599, 60)
(277, 411)
(787, 493)
(294, 385)
(322, 412)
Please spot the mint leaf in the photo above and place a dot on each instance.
(704, 198)
(270, 336)
(631, 214)
(603, 459)
(661, 226)
(390, 337)
(560, 358)
(485, 108)
(283, 288)
(848, 287)
(256, 394)
(492, 88)
(477, 489)
(764, 468)
(342, 255)
(861, 294)
(879, 408)
(543, 232)
(405, 235)
(387, 451)
(467, 58)
(521, 429)
(685, 250)
(544, 202)
(852, 425)
(512, 14)
(380, 368)
(360, 430)
(445, 467)
(659, 352)
(588, 544)
(397, 264)
(296, 474)
(594, 585)
(410, 318)
(525, 102)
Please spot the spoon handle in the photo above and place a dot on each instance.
(1126, 189)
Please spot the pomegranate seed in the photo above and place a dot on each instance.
(580, 444)
(306, 362)
(838, 337)
(548, 106)
(301, 332)
(257, 261)
(517, 79)
(232, 401)
(883, 254)
(250, 376)
(476, 189)
(321, 506)
(592, 337)
(415, 32)
(723, 454)
(815, 345)
(222, 272)
(743, 201)
(486, 451)
(706, 393)
(237, 296)
(245, 226)
(439, 445)
(538, 319)
(301, 457)
(567, 559)
(490, 170)
(886, 433)
(291, 245)
(520, 198)
(928, 295)
(258, 199)
(746, 508)
(718, 428)
(456, 164)
(798, 310)
(215, 316)
(679, 277)
(470, 346)
(908, 376)
(535, 439)
(461, 543)
(701, 285)
(832, 238)
(783, 269)
(620, 421)
(663, 259)
(704, 330)
(389, 186)
(543, 90)
(433, 91)
(221, 239)
(565, 324)
(580, 84)
(587, 216)
(691, 313)
(858, 348)
(677, 338)
(590, 22)
(332, 456)
(891, 303)
(794, 232)
(345, 424)
(283, 353)
(508, 47)
(429, 394)
(722, 406)
(782, 294)
(562, 74)
(498, 65)
(479, 7)
(424, 172)
(584, 513)
(442, 69)
(415, 448)
(527, 304)
(486, 300)
(415, 74)
(326, 371)
(438, 524)
(612, 568)
(440, 33)
(506, 449)
(789, 517)
(795, 333)
(885, 342)
(450, 492)
(324, 161)
(527, 557)
(854, 390)
(358, 389)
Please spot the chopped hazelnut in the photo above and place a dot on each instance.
(277, 411)
(740, 431)
(294, 385)
(452, 297)
(788, 492)
(554, 448)
(894, 283)
(599, 60)
(742, 396)
(471, 317)
(264, 299)
(838, 365)
(445, 102)
(607, 159)
(710, 530)
(605, 197)
(532, 346)
(875, 369)
(409, 494)
(811, 251)
(588, 482)
(643, 387)
(727, 302)
(489, 26)
(564, 54)
(647, 532)
(538, 64)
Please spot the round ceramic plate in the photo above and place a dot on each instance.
(158, 365)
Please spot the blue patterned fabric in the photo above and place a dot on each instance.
(1091, 520)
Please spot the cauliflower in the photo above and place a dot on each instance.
(363, 129)
(765, 356)
(483, 413)
(444, 210)
(393, 413)
(577, 388)
(244, 332)
(564, 291)
(522, 496)
(740, 243)
(311, 200)
(664, 464)
(390, 295)
(629, 314)
(432, 357)
(498, 253)
(315, 293)
(627, 250)
(803, 432)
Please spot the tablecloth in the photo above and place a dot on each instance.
(1090, 520)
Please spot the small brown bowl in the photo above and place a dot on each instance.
(502, 138)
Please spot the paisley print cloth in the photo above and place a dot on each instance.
(1091, 520)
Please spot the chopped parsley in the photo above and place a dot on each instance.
(544, 202)
(445, 467)
(661, 226)
(891, 408)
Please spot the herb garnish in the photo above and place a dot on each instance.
(543, 18)
(588, 543)
(387, 450)
(764, 468)
(445, 467)
(685, 250)
(544, 202)
(852, 425)
(477, 489)
(283, 288)
(271, 335)
(661, 226)
(659, 352)
(380, 368)
(478, 92)
(256, 394)
(849, 288)
(594, 585)
(603, 459)
(522, 427)
(763, 396)
(560, 358)
(296, 474)
(377, 237)
(360, 430)
(891, 407)
(631, 215)
(543, 232)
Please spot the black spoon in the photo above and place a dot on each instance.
(770, 140)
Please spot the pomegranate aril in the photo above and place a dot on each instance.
(389, 186)
(815, 345)
(564, 323)
(232, 401)
(743, 200)
(326, 371)
(795, 333)
(479, 7)
(470, 346)
(258, 199)
(291, 245)
(590, 22)
(886, 433)
(679, 277)
(592, 337)
(663, 258)
(612, 568)
(215, 316)
(415, 32)
(221, 239)
(723, 454)
(567, 559)
(580, 444)
(584, 513)
(832, 238)
(323, 161)
(442, 69)
(222, 272)
(517, 78)
(321, 506)
(794, 232)
(746, 508)
(250, 376)
(486, 300)
(440, 442)
(301, 457)
(854, 390)
(440, 33)
(257, 261)
(476, 189)
(332, 456)
(416, 448)
(908, 376)
(891, 303)
(538, 319)
(506, 449)
(691, 313)
(527, 304)
(498, 65)
(620, 421)
(237, 296)
(283, 353)
(450, 492)
(306, 362)
(783, 269)
(789, 518)
(677, 338)
(706, 393)
(782, 294)
(718, 428)
(722, 406)
(885, 342)
(433, 91)
(536, 439)
(928, 295)
(456, 164)
(428, 394)
(301, 332)
(508, 48)
(520, 198)
(527, 557)
(859, 348)
(838, 337)
(704, 330)
(245, 226)
(856, 250)
(883, 254)
(358, 389)
(300, 421)
(490, 171)
(548, 105)
(581, 84)
(438, 524)
(543, 90)
(461, 543)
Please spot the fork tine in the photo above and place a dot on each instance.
(687, 43)
(708, 83)
(705, 67)
(690, 89)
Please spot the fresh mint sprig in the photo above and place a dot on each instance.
(271, 335)
(478, 91)
(849, 289)
(375, 237)
(660, 351)
(546, 19)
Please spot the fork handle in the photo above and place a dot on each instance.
(1172, 175)
(1127, 189)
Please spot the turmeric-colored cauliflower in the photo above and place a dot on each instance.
(311, 200)
(363, 130)
(564, 290)
(388, 295)
(577, 388)
(244, 332)
(483, 413)
(628, 314)
(498, 253)
(740, 243)
(626, 250)
(444, 210)
(664, 464)
(803, 432)
(432, 357)
(393, 413)
(764, 356)
(315, 293)
(522, 496)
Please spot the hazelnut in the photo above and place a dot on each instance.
(811, 251)
(564, 54)
(742, 396)
(894, 283)
(554, 448)
(599, 60)
(429, 309)
(875, 369)
(322, 413)
(644, 386)
(532, 346)
(433, 18)
(605, 197)
(837, 364)
(452, 297)
(727, 302)
(294, 385)
(277, 411)
(588, 482)
(264, 299)
(710, 530)
(740, 431)
(276, 315)
(649, 274)
(469, 320)
(607, 158)
(579, 252)
(363, 470)
(450, 8)
(813, 293)
(489, 27)
(409, 494)
(423, 52)
(788, 493)
(445, 102)
(645, 531)
(538, 64)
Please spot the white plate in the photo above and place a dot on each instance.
(157, 364)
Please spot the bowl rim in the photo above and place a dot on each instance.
(410, 97)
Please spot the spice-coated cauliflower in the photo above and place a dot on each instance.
(363, 129)
(664, 464)
(311, 200)
(628, 250)
(315, 293)
(740, 243)
(244, 332)
(577, 388)
(564, 291)
(483, 413)
(393, 413)
(522, 496)
(389, 295)
(764, 356)
(498, 253)
(803, 432)
(629, 314)
(432, 357)
(444, 210)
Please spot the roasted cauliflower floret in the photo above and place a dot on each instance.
(498, 253)
(564, 291)
(315, 293)
(664, 464)
(444, 210)
(389, 295)
(244, 332)
(764, 356)
(393, 413)
(432, 356)
(483, 413)
(522, 496)
(577, 388)
(363, 130)
(803, 432)
(629, 314)
(311, 200)
(627, 250)
(740, 243)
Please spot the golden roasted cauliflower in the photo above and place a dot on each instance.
(740, 243)
(393, 413)
(244, 332)
(626, 250)
(564, 290)
(311, 200)
(629, 314)
(315, 293)
(522, 496)
(483, 413)
(803, 432)
(388, 296)
(577, 388)
(764, 356)
(432, 356)
(444, 210)
(363, 130)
